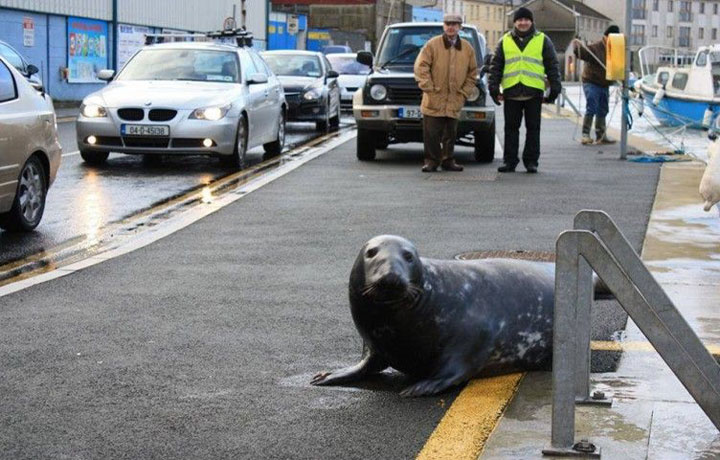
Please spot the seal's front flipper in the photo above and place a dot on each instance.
(371, 363)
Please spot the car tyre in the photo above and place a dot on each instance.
(236, 161)
(29, 204)
(382, 141)
(324, 125)
(365, 144)
(275, 148)
(94, 158)
(485, 144)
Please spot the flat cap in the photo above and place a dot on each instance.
(452, 18)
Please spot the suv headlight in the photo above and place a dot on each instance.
(312, 94)
(93, 111)
(474, 94)
(378, 92)
(210, 113)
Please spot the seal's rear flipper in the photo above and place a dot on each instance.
(602, 292)
(371, 363)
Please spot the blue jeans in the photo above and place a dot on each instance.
(597, 100)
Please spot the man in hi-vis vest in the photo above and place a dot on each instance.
(523, 59)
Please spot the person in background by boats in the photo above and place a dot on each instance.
(523, 58)
(595, 86)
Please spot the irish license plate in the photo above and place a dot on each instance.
(409, 112)
(144, 130)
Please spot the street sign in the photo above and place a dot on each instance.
(229, 23)
(292, 25)
(28, 31)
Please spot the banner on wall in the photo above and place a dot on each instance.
(130, 39)
(87, 49)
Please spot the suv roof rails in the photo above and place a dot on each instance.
(241, 35)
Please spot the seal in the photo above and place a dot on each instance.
(443, 322)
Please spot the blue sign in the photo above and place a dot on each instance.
(87, 49)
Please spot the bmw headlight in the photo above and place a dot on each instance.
(474, 94)
(312, 94)
(210, 113)
(93, 111)
(378, 92)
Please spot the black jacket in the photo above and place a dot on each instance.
(550, 62)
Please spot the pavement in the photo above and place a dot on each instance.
(202, 344)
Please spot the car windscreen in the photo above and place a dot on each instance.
(347, 65)
(183, 64)
(294, 65)
(403, 44)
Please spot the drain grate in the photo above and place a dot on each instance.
(455, 177)
(538, 256)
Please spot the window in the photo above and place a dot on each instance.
(654, 31)
(670, 5)
(714, 34)
(259, 64)
(702, 7)
(715, 8)
(487, 12)
(638, 35)
(656, 5)
(247, 66)
(686, 11)
(8, 91)
(684, 37)
(662, 78)
(680, 80)
(701, 33)
(638, 9)
(12, 57)
(669, 33)
(701, 60)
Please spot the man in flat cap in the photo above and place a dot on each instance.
(595, 86)
(523, 59)
(446, 72)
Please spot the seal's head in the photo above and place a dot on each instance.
(388, 270)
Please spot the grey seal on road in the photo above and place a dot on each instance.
(444, 322)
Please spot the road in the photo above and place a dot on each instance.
(85, 199)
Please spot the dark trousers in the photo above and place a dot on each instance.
(514, 111)
(439, 135)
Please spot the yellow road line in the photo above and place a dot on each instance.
(472, 417)
(467, 425)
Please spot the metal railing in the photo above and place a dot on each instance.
(597, 245)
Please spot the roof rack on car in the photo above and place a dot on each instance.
(241, 35)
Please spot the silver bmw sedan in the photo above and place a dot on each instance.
(185, 98)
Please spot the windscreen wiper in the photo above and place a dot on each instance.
(403, 54)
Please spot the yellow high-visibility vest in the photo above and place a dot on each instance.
(524, 66)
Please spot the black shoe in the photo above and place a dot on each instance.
(531, 169)
(429, 168)
(506, 168)
(451, 166)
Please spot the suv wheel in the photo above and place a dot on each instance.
(94, 158)
(27, 209)
(365, 144)
(485, 144)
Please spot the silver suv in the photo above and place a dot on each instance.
(185, 98)
(387, 110)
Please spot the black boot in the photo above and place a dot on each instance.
(586, 126)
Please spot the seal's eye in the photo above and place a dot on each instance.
(408, 256)
(372, 252)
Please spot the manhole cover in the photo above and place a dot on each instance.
(487, 177)
(517, 254)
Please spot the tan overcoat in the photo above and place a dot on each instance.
(446, 75)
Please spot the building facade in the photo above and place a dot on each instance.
(489, 17)
(71, 41)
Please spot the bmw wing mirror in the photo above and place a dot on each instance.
(106, 75)
(365, 57)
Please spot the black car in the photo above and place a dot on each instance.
(311, 88)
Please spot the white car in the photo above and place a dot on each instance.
(30, 153)
(185, 98)
(352, 76)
